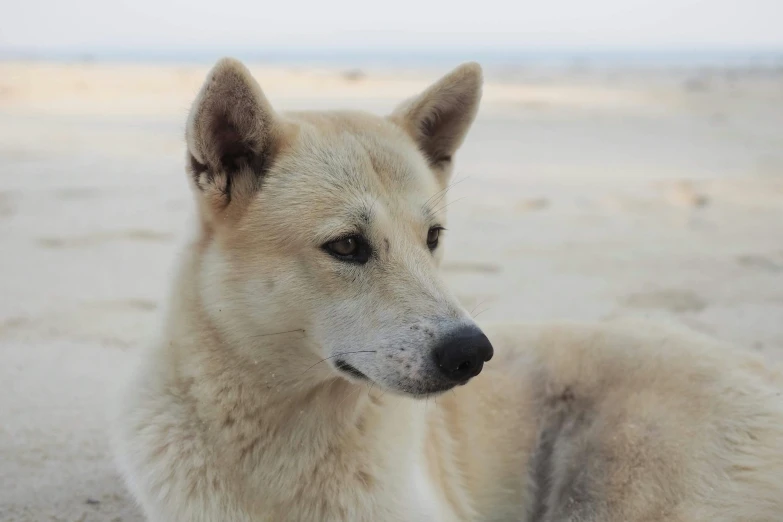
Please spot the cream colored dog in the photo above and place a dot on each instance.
(308, 324)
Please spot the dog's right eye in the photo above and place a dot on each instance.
(353, 249)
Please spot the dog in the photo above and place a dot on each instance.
(313, 366)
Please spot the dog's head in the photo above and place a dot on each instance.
(332, 225)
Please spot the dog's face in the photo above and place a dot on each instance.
(332, 225)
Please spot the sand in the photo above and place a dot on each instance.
(581, 194)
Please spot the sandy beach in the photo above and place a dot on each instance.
(580, 194)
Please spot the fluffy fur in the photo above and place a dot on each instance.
(242, 410)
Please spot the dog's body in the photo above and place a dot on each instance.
(309, 366)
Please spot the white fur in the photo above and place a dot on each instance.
(239, 412)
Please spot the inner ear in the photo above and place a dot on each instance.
(233, 151)
(231, 134)
(435, 138)
(439, 118)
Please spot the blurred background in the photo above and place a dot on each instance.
(627, 159)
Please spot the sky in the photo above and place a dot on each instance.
(390, 24)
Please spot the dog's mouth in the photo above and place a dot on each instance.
(350, 370)
(412, 389)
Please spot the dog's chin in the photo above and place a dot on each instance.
(419, 390)
(425, 392)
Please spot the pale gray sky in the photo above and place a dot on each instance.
(362, 24)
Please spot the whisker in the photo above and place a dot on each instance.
(479, 304)
(442, 208)
(446, 188)
(442, 193)
(481, 312)
(276, 333)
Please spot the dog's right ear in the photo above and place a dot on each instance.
(232, 134)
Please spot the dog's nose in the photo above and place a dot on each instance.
(462, 354)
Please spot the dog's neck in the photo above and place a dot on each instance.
(278, 417)
(276, 381)
(273, 380)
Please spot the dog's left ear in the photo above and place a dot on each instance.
(439, 118)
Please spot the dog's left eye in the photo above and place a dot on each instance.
(433, 236)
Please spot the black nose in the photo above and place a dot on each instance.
(462, 354)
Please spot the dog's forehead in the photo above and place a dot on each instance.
(340, 162)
